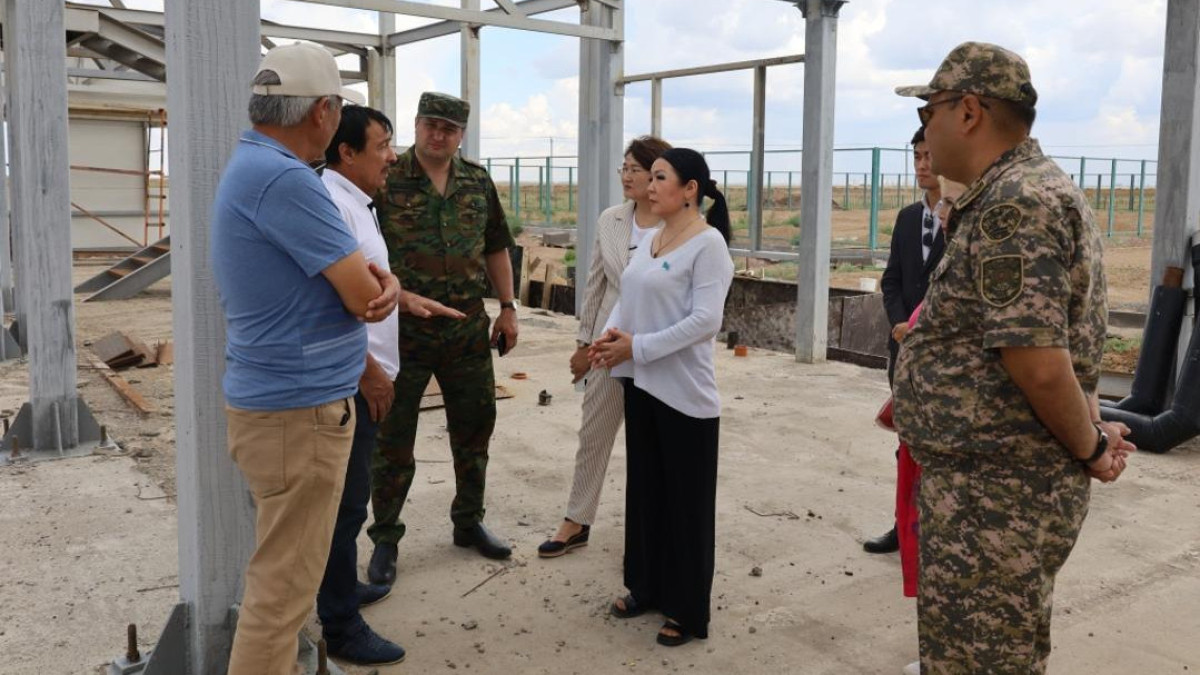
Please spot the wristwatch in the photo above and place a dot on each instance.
(1101, 446)
(509, 305)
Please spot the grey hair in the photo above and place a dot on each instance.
(282, 111)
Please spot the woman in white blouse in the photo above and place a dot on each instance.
(618, 232)
(659, 338)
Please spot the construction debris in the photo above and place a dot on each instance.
(119, 351)
(126, 390)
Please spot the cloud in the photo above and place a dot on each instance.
(1096, 63)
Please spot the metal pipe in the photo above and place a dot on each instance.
(873, 222)
(100, 220)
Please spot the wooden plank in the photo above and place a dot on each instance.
(546, 287)
(165, 353)
(34, 53)
(523, 279)
(132, 396)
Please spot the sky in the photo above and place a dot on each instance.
(1097, 65)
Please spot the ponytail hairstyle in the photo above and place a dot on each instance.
(690, 165)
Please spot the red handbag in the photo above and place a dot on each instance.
(883, 418)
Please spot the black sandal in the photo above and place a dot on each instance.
(683, 636)
(631, 609)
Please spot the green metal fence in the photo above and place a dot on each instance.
(869, 185)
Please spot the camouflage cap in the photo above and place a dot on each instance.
(982, 69)
(444, 107)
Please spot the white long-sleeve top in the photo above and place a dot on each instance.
(673, 305)
(383, 338)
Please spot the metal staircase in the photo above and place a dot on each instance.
(132, 275)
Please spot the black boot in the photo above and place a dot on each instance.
(884, 543)
(382, 569)
(481, 538)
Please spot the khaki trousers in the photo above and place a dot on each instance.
(295, 464)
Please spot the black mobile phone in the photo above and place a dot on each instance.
(502, 344)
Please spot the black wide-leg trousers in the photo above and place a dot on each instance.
(670, 509)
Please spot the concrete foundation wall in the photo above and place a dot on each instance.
(763, 313)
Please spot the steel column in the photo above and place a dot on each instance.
(816, 179)
(754, 189)
(41, 215)
(470, 88)
(212, 53)
(601, 115)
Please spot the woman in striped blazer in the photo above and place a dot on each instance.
(618, 232)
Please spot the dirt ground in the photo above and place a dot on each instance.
(90, 542)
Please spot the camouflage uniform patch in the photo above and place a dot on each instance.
(1000, 222)
(1001, 279)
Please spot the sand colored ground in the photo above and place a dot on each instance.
(89, 543)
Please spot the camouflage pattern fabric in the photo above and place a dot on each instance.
(444, 107)
(1001, 501)
(456, 352)
(982, 69)
(436, 243)
(1022, 269)
(437, 246)
(999, 536)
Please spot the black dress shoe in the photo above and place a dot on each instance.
(364, 647)
(479, 537)
(552, 548)
(884, 543)
(382, 568)
(369, 594)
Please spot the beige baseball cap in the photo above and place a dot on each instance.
(304, 69)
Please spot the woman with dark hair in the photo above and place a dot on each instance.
(659, 338)
(619, 231)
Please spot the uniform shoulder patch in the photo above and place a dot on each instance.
(1001, 221)
(1001, 279)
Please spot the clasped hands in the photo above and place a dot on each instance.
(1111, 464)
(612, 348)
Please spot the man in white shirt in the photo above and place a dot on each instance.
(357, 162)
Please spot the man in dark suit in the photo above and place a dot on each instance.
(917, 246)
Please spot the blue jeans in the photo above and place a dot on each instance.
(337, 603)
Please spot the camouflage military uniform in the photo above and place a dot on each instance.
(437, 245)
(1001, 500)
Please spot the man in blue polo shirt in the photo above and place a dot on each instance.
(295, 289)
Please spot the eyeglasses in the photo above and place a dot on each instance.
(927, 224)
(925, 112)
(623, 170)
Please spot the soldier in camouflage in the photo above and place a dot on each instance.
(995, 389)
(445, 230)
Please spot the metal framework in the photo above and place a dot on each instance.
(754, 190)
(212, 47)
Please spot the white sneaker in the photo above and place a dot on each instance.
(913, 668)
